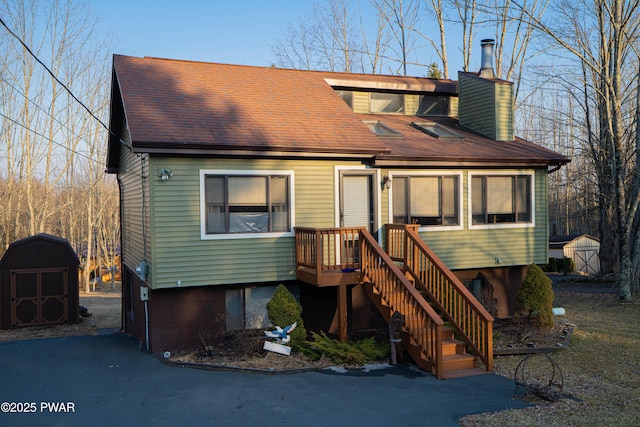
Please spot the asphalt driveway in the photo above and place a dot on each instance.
(105, 380)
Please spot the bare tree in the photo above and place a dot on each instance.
(514, 32)
(601, 35)
(467, 12)
(435, 8)
(328, 38)
(52, 147)
(402, 18)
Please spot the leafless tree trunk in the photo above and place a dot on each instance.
(467, 12)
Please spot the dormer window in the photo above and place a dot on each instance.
(433, 105)
(436, 130)
(386, 102)
(347, 96)
(382, 130)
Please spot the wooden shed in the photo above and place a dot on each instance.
(39, 283)
(583, 249)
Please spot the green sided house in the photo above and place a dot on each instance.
(365, 195)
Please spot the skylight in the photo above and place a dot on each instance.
(436, 130)
(382, 130)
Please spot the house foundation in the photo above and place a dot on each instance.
(496, 286)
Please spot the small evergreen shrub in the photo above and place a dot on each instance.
(560, 265)
(283, 310)
(568, 265)
(534, 300)
(346, 353)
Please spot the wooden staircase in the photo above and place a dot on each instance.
(432, 345)
(456, 362)
(407, 278)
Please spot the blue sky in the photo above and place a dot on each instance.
(228, 31)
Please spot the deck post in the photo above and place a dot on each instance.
(342, 313)
(319, 255)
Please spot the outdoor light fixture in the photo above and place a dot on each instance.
(165, 174)
(386, 181)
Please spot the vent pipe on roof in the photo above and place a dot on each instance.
(486, 68)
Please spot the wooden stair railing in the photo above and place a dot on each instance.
(467, 316)
(422, 324)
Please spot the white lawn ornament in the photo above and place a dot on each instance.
(282, 337)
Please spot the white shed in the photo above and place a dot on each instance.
(583, 249)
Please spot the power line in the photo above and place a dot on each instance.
(60, 83)
(47, 138)
(43, 110)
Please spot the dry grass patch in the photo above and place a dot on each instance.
(601, 369)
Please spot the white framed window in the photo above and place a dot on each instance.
(433, 105)
(386, 102)
(242, 204)
(431, 200)
(501, 199)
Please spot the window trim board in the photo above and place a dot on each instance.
(247, 172)
(502, 225)
(432, 173)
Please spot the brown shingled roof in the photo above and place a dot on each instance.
(185, 104)
(416, 146)
(174, 106)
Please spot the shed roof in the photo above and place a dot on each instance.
(58, 241)
(560, 241)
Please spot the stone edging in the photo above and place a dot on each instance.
(230, 368)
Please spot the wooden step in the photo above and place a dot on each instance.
(456, 362)
(451, 346)
(463, 373)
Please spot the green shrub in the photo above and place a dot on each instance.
(568, 265)
(283, 310)
(560, 265)
(346, 353)
(534, 300)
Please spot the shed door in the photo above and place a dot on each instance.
(39, 297)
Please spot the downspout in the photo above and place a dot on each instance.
(122, 296)
(146, 323)
(144, 250)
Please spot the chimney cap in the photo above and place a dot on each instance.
(486, 68)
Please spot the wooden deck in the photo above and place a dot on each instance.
(346, 256)
(329, 277)
(328, 257)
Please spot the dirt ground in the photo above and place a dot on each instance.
(105, 307)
